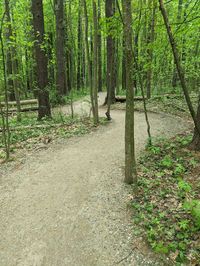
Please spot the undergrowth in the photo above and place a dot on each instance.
(167, 202)
(30, 132)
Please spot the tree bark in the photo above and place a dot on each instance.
(79, 52)
(41, 60)
(195, 144)
(150, 40)
(61, 79)
(130, 161)
(100, 85)
(109, 10)
(88, 58)
(95, 63)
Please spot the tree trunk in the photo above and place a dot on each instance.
(99, 50)
(181, 72)
(41, 60)
(150, 40)
(179, 15)
(61, 79)
(79, 52)
(95, 63)
(130, 161)
(88, 58)
(12, 65)
(195, 144)
(8, 54)
(109, 8)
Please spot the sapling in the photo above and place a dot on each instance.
(4, 112)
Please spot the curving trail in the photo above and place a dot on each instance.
(67, 205)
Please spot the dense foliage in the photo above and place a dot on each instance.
(151, 43)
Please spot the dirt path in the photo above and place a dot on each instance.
(67, 205)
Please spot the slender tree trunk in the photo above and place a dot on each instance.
(4, 113)
(12, 62)
(181, 72)
(61, 79)
(109, 10)
(150, 40)
(95, 63)
(195, 144)
(41, 60)
(123, 63)
(99, 50)
(88, 57)
(79, 52)
(8, 54)
(179, 15)
(130, 161)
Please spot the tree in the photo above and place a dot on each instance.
(196, 118)
(79, 44)
(41, 60)
(195, 144)
(4, 113)
(100, 83)
(95, 63)
(12, 64)
(110, 52)
(150, 40)
(130, 161)
(61, 79)
(92, 81)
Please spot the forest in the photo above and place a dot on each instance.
(100, 114)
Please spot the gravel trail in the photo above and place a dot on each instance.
(67, 205)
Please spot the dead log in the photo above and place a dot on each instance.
(122, 99)
(22, 103)
(34, 127)
(23, 110)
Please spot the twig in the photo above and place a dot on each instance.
(125, 258)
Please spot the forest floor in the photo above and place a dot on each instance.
(67, 205)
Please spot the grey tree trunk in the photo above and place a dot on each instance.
(95, 63)
(61, 79)
(109, 10)
(41, 60)
(100, 85)
(130, 161)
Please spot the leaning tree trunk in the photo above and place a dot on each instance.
(195, 144)
(130, 162)
(181, 74)
(41, 60)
